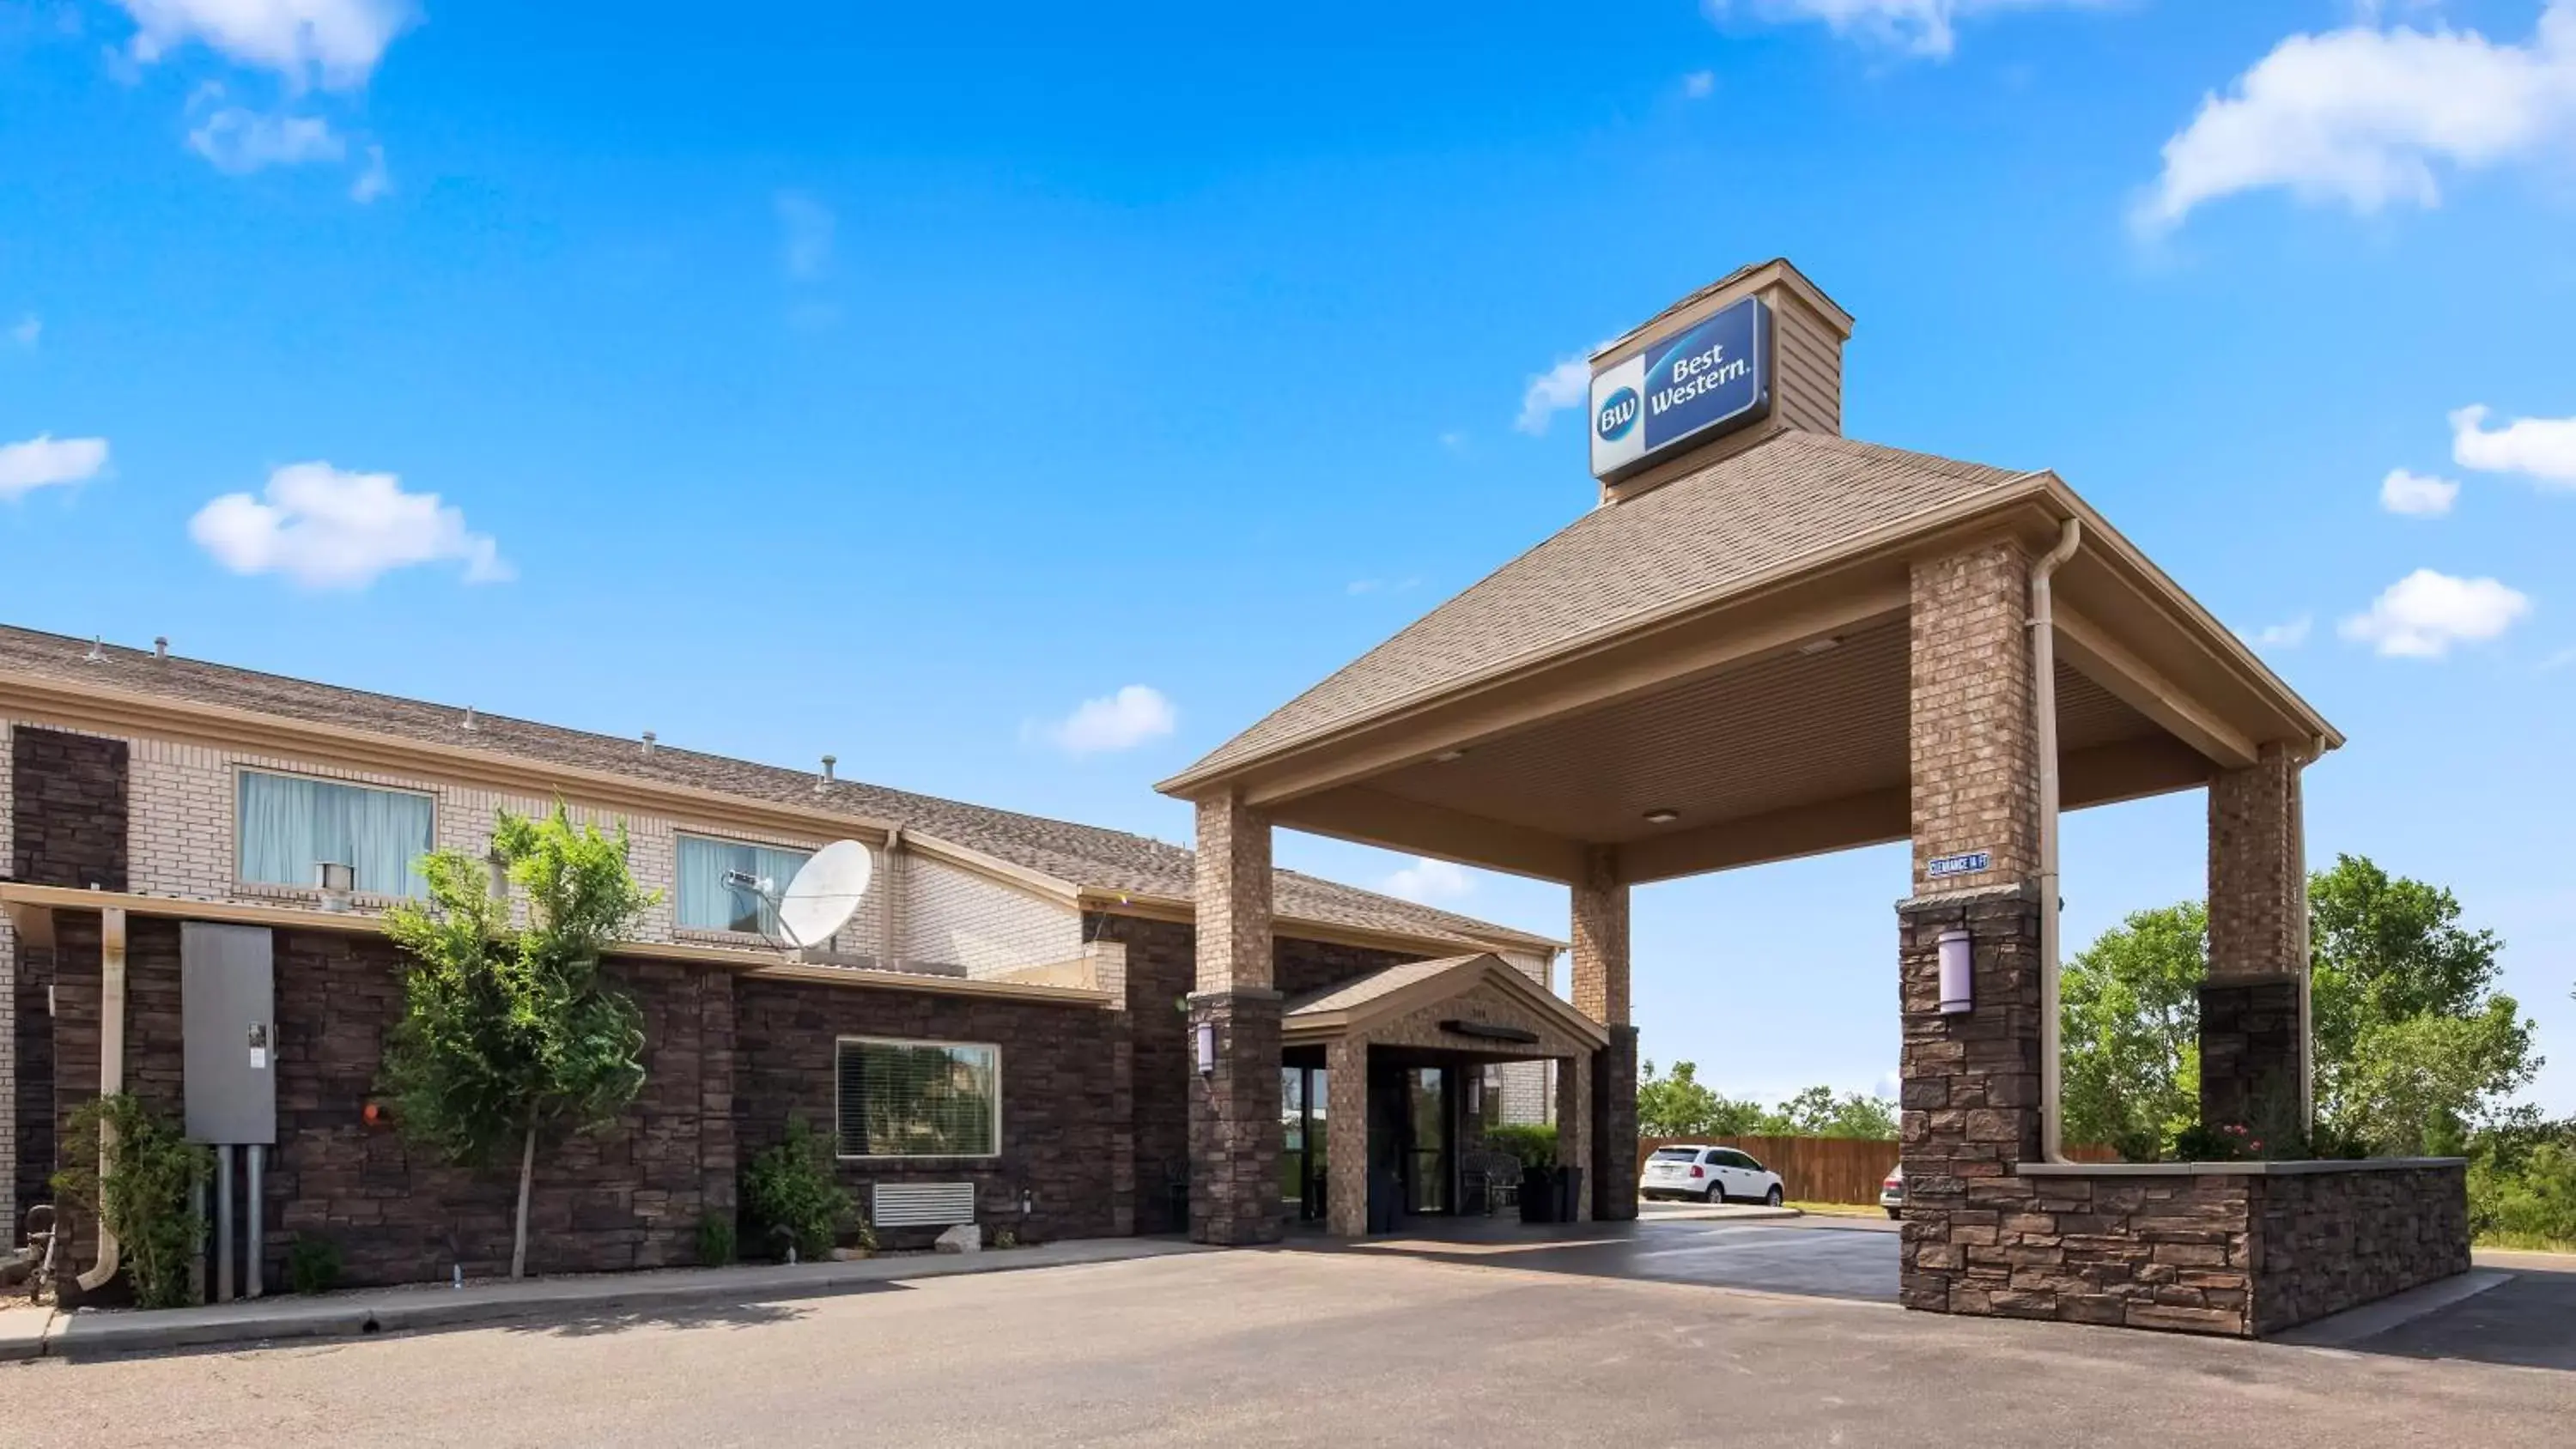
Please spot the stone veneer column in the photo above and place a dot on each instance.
(1235, 1139)
(1970, 1081)
(1574, 1125)
(2253, 1028)
(1601, 992)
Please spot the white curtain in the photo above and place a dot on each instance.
(707, 904)
(289, 824)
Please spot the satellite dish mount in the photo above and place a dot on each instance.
(813, 906)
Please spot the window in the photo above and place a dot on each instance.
(919, 1099)
(287, 824)
(708, 904)
(1675, 1154)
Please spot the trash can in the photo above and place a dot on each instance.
(1538, 1195)
(1569, 1195)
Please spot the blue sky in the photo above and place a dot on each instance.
(829, 378)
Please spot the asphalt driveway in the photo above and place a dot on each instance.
(1823, 1257)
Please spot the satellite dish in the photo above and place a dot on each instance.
(824, 894)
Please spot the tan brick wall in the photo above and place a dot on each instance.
(1601, 939)
(1528, 1091)
(953, 917)
(1974, 745)
(2257, 883)
(1233, 888)
(181, 836)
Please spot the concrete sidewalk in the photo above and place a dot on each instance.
(95, 1333)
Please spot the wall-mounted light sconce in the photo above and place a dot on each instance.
(1207, 1048)
(1958, 951)
(1476, 1095)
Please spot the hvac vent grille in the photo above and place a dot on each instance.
(921, 1204)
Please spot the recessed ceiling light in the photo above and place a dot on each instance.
(1819, 646)
(1449, 757)
(1662, 815)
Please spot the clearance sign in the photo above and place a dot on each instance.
(1706, 380)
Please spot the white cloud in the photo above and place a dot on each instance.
(373, 181)
(335, 42)
(2289, 634)
(2416, 495)
(1921, 27)
(328, 529)
(45, 461)
(2425, 613)
(1700, 84)
(808, 226)
(27, 330)
(2544, 448)
(1429, 882)
(1566, 385)
(1118, 721)
(2364, 116)
(239, 140)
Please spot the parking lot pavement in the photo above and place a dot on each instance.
(1851, 1258)
(1287, 1347)
(2527, 1318)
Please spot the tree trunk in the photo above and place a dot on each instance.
(527, 1174)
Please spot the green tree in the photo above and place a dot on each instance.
(1817, 1112)
(509, 1036)
(2129, 1011)
(1679, 1105)
(2414, 1049)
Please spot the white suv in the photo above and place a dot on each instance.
(1710, 1174)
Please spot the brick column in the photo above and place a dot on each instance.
(2253, 1028)
(1970, 1081)
(1235, 1140)
(1601, 992)
(1346, 1155)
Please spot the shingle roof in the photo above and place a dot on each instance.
(1692, 539)
(1360, 990)
(1084, 856)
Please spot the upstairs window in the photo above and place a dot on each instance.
(708, 904)
(286, 825)
(919, 1099)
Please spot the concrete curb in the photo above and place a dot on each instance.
(272, 1320)
(23, 1333)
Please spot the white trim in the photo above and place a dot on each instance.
(838, 1155)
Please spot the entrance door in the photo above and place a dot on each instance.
(1426, 1157)
(1303, 1092)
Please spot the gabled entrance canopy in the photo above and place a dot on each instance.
(1716, 673)
(1494, 1009)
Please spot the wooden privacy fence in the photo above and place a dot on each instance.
(1829, 1169)
(1812, 1169)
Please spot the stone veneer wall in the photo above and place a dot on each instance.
(1065, 1072)
(727, 1059)
(2328, 1241)
(62, 822)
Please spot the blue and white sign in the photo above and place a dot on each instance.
(1968, 864)
(1703, 381)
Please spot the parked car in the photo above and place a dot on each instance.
(1891, 1193)
(1708, 1174)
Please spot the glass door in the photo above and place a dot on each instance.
(1426, 1093)
(1303, 1092)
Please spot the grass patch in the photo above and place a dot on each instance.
(2526, 1243)
(1840, 1209)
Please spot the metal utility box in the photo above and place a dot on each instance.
(228, 1020)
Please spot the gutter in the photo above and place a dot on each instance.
(111, 1075)
(2043, 683)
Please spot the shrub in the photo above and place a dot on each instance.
(313, 1265)
(791, 1196)
(142, 1193)
(1533, 1143)
(715, 1238)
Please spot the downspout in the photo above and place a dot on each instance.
(2043, 666)
(111, 1072)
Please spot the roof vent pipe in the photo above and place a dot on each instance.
(2043, 671)
(648, 742)
(468, 724)
(160, 646)
(825, 782)
(97, 649)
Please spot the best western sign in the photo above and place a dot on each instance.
(1697, 384)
